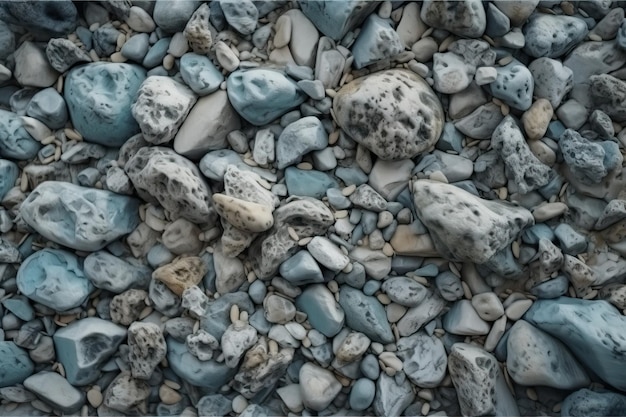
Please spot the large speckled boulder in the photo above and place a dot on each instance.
(393, 113)
(465, 227)
(99, 97)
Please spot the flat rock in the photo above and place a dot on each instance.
(200, 74)
(318, 386)
(208, 374)
(405, 291)
(241, 15)
(147, 348)
(49, 107)
(335, 19)
(301, 269)
(15, 365)
(63, 54)
(323, 311)
(365, 314)
(16, 142)
(46, 20)
(480, 123)
(214, 405)
(392, 396)
(463, 18)
(113, 274)
(308, 183)
(424, 359)
(327, 253)
(53, 389)
(393, 113)
(81, 218)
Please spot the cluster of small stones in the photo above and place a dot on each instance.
(313, 207)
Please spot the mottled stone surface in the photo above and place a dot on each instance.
(424, 359)
(15, 140)
(15, 365)
(464, 18)
(147, 348)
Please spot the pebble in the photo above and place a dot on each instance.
(318, 386)
(56, 391)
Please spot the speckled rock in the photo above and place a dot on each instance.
(464, 18)
(377, 40)
(127, 395)
(53, 389)
(590, 162)
(111, 273)
(365, 314)
(200, 74)
(392, 396)
(587, 403)
(552, 36)
(553, 80)
(424, 359)
(181, 274)
(147, 348)
(514, 85)
(609, 95)
(45, 19)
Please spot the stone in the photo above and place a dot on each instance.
(81, 218)
(572, 113)
(523, 167)
(600, 348)
(303, 38)
(126, 307)
(464, 18)
(113, 274)
(376, 41)
(367, 198)
(589, 162)
(160, 108)
(609, 95)
(327, 254)
(445, 210)
(198, 31)
(462, 319)
(209, 374)
(104, 40)
(16, 142)
(172, 16)
(53, 389)
(214, 405)
(552, 36)
(84, 346)
(488, 306)
(411, 27)
(585, 402)
(536, 358)
(318, 386)
(236, 340)
(377, 265)
(324, 313)
(156, 172)
(392, 396)
(156, 54)
(202, 345)
(244, 215)
(7, 41)
(181, 237)
(217, 312)
(9, 172)
(424, 359)
(536, 119)
(181, 274)
(450, 73)
(200, 74)
(308, 183)
(336, 19)
(365, 314)
(147, 348)
(15, 365)
(49, 107)
(262, 95)
(389, 178)
(362, 394)
(139, 20)
(393, 113)
(299, 138)
(514, 85)
(404, 291)
(32, 68)
(481, 123)
(241, 15)
(449, 286)
(127, 395)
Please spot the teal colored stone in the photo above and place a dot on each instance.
(299, 138)
(570, 240)
(15, 365)
(368, 48)
(200, 74)
(262, 95)
(555, 130)
(336, 18)
(587, 403)
(429, 270)
(451, 139)
(324, 314)
(535, 233)
(15, 141)
(7, 40)
(137, 47)
(309, 183)
(301, 269)
(210, 375)
(514, 85)
(214, 405)
(49, 107)
(19, 306)
(365, 314)
(362, 394)
(99, 96)
(355, 278)
(351, 175)
(8, 175)
(54, 278)
(370, 367)
(594, 330)
(553, 288)
(371, 287)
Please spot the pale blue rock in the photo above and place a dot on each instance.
(514, 85)
(362, 394)
(214, 164)
(299, 138)
(173, 15)
(15, 141)
(200, 74)
(376, 41)
(464, 18)
(114, 274)
(308, 183)
(44, 19)
(99, 96)
(570, 240)
(54, 278)
(587, 403)
(424, 359)
(324, 314)
(351, 175)
(593, 330)
(370, 366)
(552, 35)
(156, 53)
(19, 306)
(216, 318)
(84, 346)
(365, 314)
(15, 365)
(210, 374)
(449, 286)
(451, 139)
(242, 15)
(48, 106)
(392, 396)
(337, 200)
(8, 175)
(105, 40)
(589, 162)
(7, 41)
(214, 405)
(136, 47)
(53, 389)
(553, 288)
(81, 218)
(405, 291)
(336, 18)
(301, 269)
(553, 81)
(262, 95)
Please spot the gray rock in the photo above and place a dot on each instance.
(362, 394)
(214, 405)
(216, 317)
(552, 36)
(163, 299)
(7, 41)
(405, 291)
(589, 161)
(449, 286)
(336, 19)
(367, 198)
(49, 107)
(16, 142)
(318, 386)
(45, 20)
(200, 74)
(202, 345)
(147, 348)
(105, 40)
(377, 40)
(462, 319)
(609, 95)
(424, 359)
(53, 389)
(15, 365)
(553, 80)
(172, 16)
(126, 307)
(514, 85)
(481, 123)
(416, 317)
(602, 124)
(365, 314)
(498, 23)
(392, 396)
(463, 18)
(114, 274)
(589, 403)
(198, 30)
(236, 340)
(127, 395)
(242, 15)
(324, 314)
(299, 138)
(136, 47)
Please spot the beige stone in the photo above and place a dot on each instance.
(537, 118)
(407, 243)
(181, 274)
(244, 215)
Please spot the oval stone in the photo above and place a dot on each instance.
(15, 365)
(15, 141)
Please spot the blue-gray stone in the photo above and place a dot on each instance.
(49, 107)
(301, 269)
(555, 130)
(108, 89)
(553, 288)
(84, 346)
(257, 291)
(85, 37)
(369, 219)
(607, 94)
(105, 40)
(200, 74)
(355, 278)
(393, 396)
(259, 322)
(312, 88)
(336, 18)
(213, 165)
(172, 15)
(424, 359)
(114, 274)
(324, 314)
(337, 200)
(552, 35)
(15, 141)
(535, 233)
(351, 175)
(429, 271)
(365, 314)
(370, 367)
(242, 15)
(553, 187)
(299, 138)
(7, 41)
(8, 175)
(589, 162)
(214, 405)
(498, 24)
(15, 365)
(81, 218)
(210, 375)
(45, 19)
(136, 47)
(514, 85)
(587, 403)
(156, 53)
(594, 330)
(451, 139)
(449, 286)
(404, 291)
(262, 95)
(308, 183)
(362, 394)
(217, 312)
(54, 278)
(376, 41)
(19, 306)
(159, 255)
(371, 287)
(570, 240)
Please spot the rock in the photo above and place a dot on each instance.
(84, 346)
(126, 307)
(7, 41)
(329, 63)
(362, 394)
(324, 314)
(45, 20)
(389, 178)
(589, 162)
(49, 107)
(299, 138)
(424, 359)
(552, 36)
(16, 142)
(450, 73)
(585, 402)
(445, 210)
(365, 314)
(15, 365)
(181, 274)
(181, 237)
(573, 114)
(367, 198)
(114, 274)
(202, 345)
(464, 18)
(278, 309)
(200, 74)
(104, 40)
(537, 118)
(536, 358)
(404, 291)
(217, 312)
(462, 319)
(352, 348)
(308, 183)
(327, 254)
(241, 15)
(161, 175)
(514, 85)
(236, 340)
(9, 172)
(303, 38)
(335, 19)
(449, 286)
(609, 95)
(481, 123)
(139, 20)
(410, 28)
(127, 394)
(262, 95)
(198, 31)
(53, 389)
(376, 41)
(214, 405)
(147, 349)
(393, 113)
(599, 349)
(244, 215)
(392, 396)
(172, 16)
(81, 218)
(208, 374)
(318, 386)
(523, 167)
(63, 54)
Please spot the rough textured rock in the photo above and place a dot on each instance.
(589, 162)
(46, 19)
(63, 54)
(147, 348)
(393, 113)
(113, 274)
(318, 387)
(609, 95)
(127, 395)
(464, 18)
(424, 359)
(552, 36)
(392, 396)
(585, 402)
(126, 307)
(376, 41)
(365, 314)
(514, 85)
(15, 140)
(181, 274)
(15, 365)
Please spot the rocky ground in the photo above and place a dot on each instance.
(265, 208)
